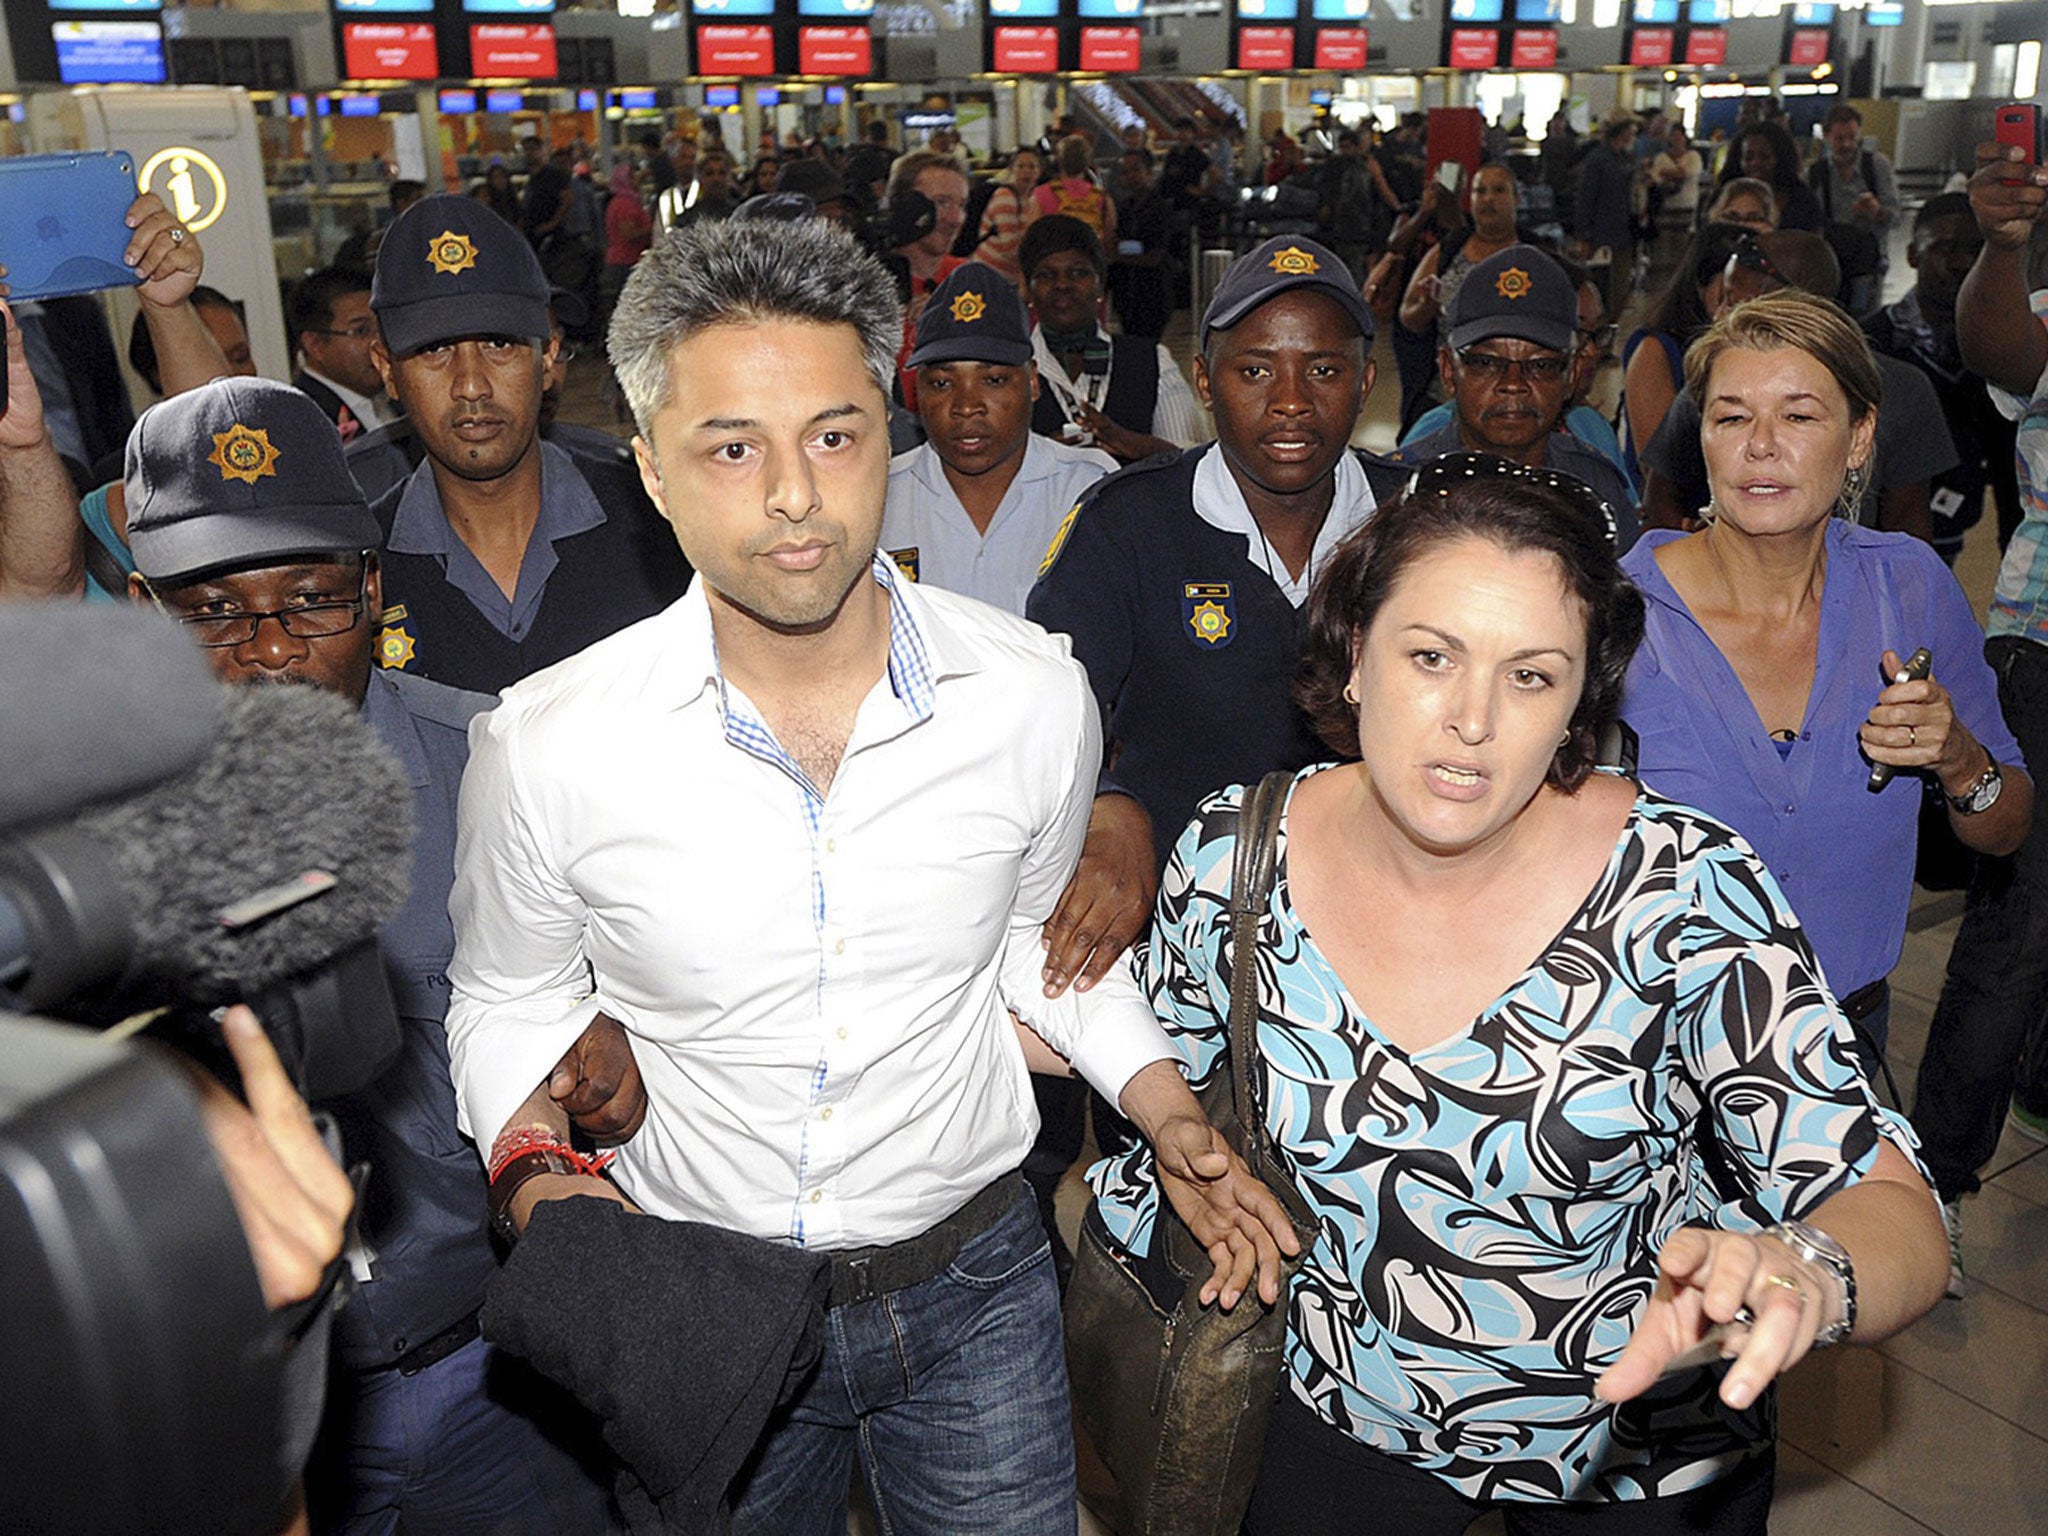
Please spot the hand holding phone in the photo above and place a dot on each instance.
(2008, 194)
(2020, 125)
(1918, 666)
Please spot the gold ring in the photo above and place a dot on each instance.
(1788, 1283)
(1912, 736)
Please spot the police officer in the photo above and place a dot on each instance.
(1508, 363)
(974, 508)
(1183, 580)
(503, 553)
(246, 527)
(1124, 392)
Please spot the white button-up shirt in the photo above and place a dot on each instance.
(1220, 503)
(815, 986)
(929, 535)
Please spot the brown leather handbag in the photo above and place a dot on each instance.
(1174, 1396)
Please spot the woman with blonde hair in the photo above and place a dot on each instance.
(1076, 193)
(1772, 684)
(1745, 201)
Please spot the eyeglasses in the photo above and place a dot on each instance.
(1598, 336)
(1537, 370)
(1454, 471)
(308, 621)
(367, 331)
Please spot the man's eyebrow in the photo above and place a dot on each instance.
(748, 423)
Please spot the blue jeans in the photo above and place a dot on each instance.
(465, 1446)
(953, 1393)
(1988, 1037)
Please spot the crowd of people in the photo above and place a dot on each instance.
(826, 803)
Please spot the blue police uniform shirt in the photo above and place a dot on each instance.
(1561, 452)
(1191, 633)
(600, 557)
(424, 1213)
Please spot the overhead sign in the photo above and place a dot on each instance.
(1706, 46)
(373, 50)
(1808, 47)
(1110, 50)
(1341, 48)
(1533, 48)
(1265, 48)
(1651, 47)
(834, 51)
(1027, 50)
(109, 52)
(523, 52)
(735, 50)
(1473, 48)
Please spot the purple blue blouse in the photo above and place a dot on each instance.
(1842, 855)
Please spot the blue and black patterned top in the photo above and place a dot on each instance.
(1491, 1206)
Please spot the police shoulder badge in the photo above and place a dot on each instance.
(906, 561)
(244, 454)
(968, 307)
(1209, 612)
(1513, 283)
(394, 645)
(1059, 538)
(451, 253)
(1294, 262)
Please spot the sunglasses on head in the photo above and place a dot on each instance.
(1751, 256)
(1454, 471)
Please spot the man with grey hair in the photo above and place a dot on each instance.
(817, 952)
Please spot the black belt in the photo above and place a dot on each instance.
(435, 1350)
(861, 1274)
(1864, 1001)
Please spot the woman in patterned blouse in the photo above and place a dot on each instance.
(1548, 1055)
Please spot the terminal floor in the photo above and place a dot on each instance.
(1944, 1429)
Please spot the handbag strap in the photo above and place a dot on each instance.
(1252, 870)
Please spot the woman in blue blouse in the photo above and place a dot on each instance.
(1763, 692)
(1500, 995)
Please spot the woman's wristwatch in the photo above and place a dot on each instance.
(1982, 794)
(1816, 1247)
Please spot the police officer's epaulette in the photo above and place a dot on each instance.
(437, 703)
(1137, 481)
(1386, 475)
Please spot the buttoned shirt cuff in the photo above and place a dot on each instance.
(497, 1065)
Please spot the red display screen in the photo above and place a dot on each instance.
(1342, 48)
(1112, 50)
(1027, 50)
(1809, 47)
(1265, 48)
(1650, 47)
(730, 50)
(1474, 48)
(834, 51)
(1706, 45)
(521, 52)
(1533, 48)
(377, 51)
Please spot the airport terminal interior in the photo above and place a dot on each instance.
(277, 132)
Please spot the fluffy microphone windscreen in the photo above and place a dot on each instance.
(97, 700)
(296, 781)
